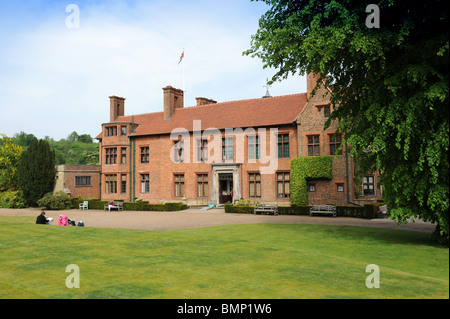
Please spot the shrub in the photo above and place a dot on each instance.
(230, 208)
(56, 201)
(243, 202)
(294, 210)
(366, 211)
(12, 199)
(175, 206)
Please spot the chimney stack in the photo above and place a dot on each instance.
(204, 101)
(116, 107)
(173, 99)
(311, 81)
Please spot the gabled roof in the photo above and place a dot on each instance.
(259, 112)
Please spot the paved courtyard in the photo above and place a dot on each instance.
(195, 218)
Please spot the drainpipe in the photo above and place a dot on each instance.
(101, 165)
(348, 185)
(133, 162)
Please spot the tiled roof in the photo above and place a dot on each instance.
(244, 113)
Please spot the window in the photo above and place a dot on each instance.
(202, 150)
(253, 147)
(145, 183)
(283, 185)
(227, 148)
(123, 186)
(254, 180)
(111, 131)
(202, 185)
(111, 184)
(82, 181)
(179, 157)
(311, 187)
(283, 145)
(313, 145)
(368, 185)
(340, 187)
(326, 111)
(335, 143)
(179, 185)
(111, 156)
(123, 155)
(123, 130)
(145, 154)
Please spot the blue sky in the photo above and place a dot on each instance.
(55, 80)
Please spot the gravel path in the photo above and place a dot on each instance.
(195, 218)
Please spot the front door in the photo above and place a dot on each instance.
(225, 188)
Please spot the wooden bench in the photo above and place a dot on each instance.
(266, 209)
(117, 205)
(323, 209)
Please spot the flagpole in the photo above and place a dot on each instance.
(184, 92)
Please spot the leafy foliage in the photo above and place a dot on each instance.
(74, 150)
(12, 199)
(304, 168)
(56, 201)
(36, 171)
(390, 88)
(9, 160)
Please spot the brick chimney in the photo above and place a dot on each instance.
(204, 101)
(311, 81)
(173, 99)
(116, 107)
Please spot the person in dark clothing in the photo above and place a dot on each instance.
(41, 219)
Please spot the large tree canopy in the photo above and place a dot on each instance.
(389, 87)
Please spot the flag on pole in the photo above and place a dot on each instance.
(181, 57)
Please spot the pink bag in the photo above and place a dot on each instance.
(63, 220)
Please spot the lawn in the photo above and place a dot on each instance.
(239, 261)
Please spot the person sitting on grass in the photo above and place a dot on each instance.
(41, 219)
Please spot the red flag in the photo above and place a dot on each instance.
(181, 57)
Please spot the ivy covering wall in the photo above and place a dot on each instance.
(304, 168)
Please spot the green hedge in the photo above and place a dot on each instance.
(304, 168)
(230, 208)
(132, 206)
(368, 211)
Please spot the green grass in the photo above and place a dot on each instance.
(239, 261)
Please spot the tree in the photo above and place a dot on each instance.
(73, 137)
(9, 161)
(389, 88)
(36, 171)
(23, 139)
(85, 138)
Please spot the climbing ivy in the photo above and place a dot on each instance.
(304, 168)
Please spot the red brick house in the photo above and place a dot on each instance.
(214, 153)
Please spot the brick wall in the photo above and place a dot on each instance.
(162, 169)
(88, 179)
(311, 123)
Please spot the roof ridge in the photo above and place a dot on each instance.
(242, 100)
(218, 103)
